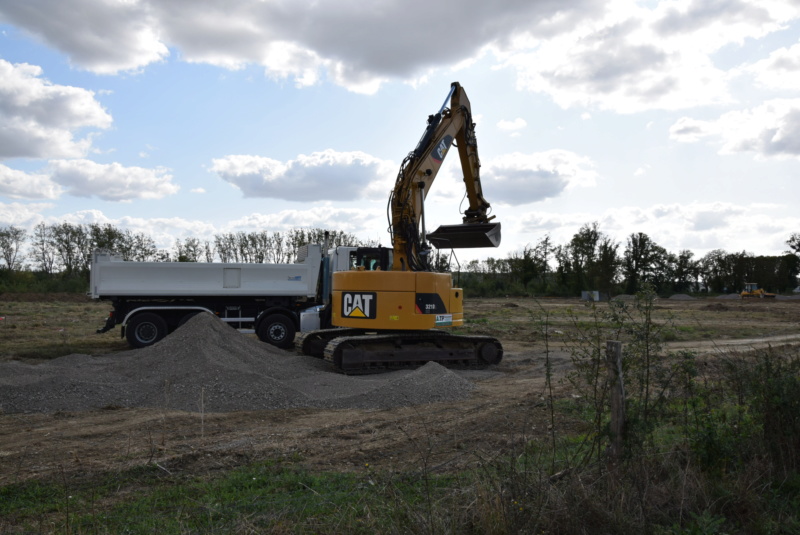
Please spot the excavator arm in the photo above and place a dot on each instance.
(451, 125)
(387, 318)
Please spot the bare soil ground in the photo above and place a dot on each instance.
(506, 407)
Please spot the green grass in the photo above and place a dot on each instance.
(266, 497)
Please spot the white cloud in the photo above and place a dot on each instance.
(321, 176)
(621, 55)
(510, 126)
(21, 185)
(781, 70)
(525, 178)
(111, 182)
(688, 130)
(771, 130)
(24, 215)
(634, 58)
(98, 35)
(290, 38)
(351, 220)
(39, 119)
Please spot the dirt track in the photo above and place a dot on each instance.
(506, 407)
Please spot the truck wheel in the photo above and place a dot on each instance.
(145, 329)
(277, 330)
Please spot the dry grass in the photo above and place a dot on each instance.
(45, 329)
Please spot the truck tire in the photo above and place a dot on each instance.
(278, 330)
(145, 329)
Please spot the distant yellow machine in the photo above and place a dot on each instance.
(752, 290)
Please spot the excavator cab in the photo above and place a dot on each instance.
(465, 236)
(371, 259)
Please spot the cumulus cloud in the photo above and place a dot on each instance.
(100, 36)
(111, 182)
(39, 119)
(781, 70)
(688, 130)
(21, 185)
(621, 55)
(300, 39)
(24, 215)
(351, 220)
(320, 176)
(636, 58)
(509, 126)
(771, 130)
(525, 178)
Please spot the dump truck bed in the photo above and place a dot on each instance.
(111, 276)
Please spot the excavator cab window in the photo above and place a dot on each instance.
(371, 259)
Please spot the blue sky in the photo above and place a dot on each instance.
(679, 119)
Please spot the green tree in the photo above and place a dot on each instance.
(644, 261)
(43, 252)
(72, 244)
(686, 272)
(589, 262)
(794, 243)
(189, 250)
(11, 240)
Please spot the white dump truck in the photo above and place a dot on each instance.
(275, 301)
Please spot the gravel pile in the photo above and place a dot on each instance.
(681, 297)
(207, 366)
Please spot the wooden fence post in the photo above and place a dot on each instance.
(617, 397)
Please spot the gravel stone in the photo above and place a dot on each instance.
(206, 366)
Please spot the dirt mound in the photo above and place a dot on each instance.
(681, 297)
(205, 366)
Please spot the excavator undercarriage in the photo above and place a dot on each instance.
(353, 351)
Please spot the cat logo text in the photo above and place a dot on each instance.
(359, 305)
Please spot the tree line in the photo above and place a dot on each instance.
(63, 252)
(591, 260)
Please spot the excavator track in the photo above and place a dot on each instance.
(312, 343)
(367, 353)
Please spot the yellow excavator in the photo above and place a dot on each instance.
(389, 310)
(751, 290)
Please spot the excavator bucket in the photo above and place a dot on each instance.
(465, 236)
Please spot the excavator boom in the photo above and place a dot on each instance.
(451, 125)
(387, 318)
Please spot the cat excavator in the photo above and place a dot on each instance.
(390, 310)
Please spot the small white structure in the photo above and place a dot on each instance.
(590, 296)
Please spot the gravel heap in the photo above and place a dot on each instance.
(681, 297)
(205, 366)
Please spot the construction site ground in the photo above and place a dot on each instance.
(506, 407)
